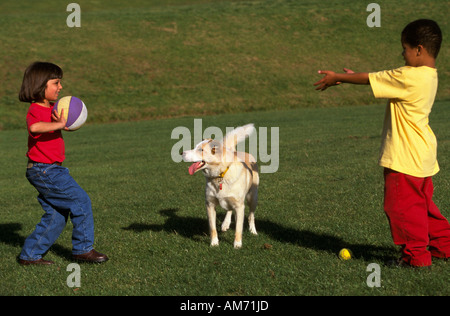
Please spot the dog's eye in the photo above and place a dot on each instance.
(213, 150)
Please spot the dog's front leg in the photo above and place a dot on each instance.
(211, 210)
(239, 226)
(227, 221)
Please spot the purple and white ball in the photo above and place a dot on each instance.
(75, 111)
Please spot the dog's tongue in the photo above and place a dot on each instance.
(193, 168)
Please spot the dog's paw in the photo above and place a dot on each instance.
(214, 242)
(225, 226)
(237, 244)
(253, 230)
(227, 221)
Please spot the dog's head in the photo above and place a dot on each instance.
(209, 153)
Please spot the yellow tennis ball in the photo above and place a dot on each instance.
(345, 254)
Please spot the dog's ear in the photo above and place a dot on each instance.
(238, 135)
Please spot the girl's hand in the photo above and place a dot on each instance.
(60, 120)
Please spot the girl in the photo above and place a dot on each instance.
(59, 195)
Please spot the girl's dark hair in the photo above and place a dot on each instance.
(35, 80)
(423, 32)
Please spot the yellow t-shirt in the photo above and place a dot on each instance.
(409, 145)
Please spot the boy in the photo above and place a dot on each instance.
(409, 148)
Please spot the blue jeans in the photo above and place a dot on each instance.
(60, 197)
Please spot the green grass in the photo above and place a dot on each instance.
(138, 60)
(150, 216)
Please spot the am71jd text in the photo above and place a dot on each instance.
(254, 306)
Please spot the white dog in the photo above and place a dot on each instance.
(231, 179)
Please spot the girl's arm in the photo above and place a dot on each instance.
(331, 78)
(44, 127)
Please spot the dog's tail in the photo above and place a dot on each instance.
(238, 135)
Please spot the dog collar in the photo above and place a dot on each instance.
(223, 173)
(220, 177)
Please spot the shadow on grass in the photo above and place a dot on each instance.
(9, 235)
(324, 242)
(190, 227)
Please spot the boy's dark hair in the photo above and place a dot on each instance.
(423, 32)
(35, 80)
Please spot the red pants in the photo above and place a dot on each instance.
(416, 222)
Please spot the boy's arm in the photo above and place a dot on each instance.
(331, 78)
(44, 127)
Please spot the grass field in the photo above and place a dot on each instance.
(134, 60)
(150, 216)
(144, 70)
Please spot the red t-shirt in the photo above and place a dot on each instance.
(45, 147)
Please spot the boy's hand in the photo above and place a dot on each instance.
(332, 79)
(60, 120)
(329, 80)
(348, 71)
